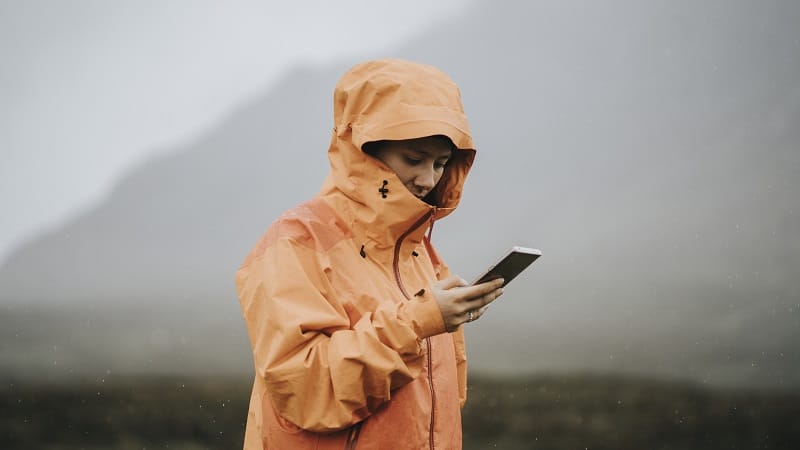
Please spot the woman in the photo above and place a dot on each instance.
(353, 317)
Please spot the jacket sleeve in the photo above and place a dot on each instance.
(321, 372)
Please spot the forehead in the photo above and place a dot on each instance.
(435, 146)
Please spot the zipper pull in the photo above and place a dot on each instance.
(433, 219)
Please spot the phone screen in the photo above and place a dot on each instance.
(517, 260)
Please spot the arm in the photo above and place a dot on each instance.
(321, 373)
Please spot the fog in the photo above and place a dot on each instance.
(651, 151)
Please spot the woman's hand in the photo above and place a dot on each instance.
(461, 303)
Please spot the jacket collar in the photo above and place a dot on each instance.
(377, 207)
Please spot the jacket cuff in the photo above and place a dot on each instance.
(424, 315)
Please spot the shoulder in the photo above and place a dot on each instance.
(313, 224)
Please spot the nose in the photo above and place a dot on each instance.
(425, 178)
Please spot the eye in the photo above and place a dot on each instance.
(411, 160)
(438, 165)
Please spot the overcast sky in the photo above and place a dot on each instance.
(91, 88)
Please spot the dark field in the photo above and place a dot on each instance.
(545, 412)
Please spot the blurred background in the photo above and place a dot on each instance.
(651, 150)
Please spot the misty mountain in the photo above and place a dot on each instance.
(652, 152)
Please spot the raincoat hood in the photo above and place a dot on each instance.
(394, 100)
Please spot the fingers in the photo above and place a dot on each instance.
(475, 314)
(460, 304)
(485, 299)
(483, 288)
(474, 308)
(452, 281)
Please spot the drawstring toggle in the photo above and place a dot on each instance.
(383, 189)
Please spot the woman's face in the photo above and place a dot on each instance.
(419, 163)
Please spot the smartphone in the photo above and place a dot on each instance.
(512, 264)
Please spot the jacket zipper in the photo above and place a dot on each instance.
(397, 245)
(352, 436)
(396, 266)
(433, 393)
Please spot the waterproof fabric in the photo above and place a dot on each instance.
(350, 348)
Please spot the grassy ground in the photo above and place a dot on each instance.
(542, 412)
(590, 412)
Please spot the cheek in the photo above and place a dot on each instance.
(407, 176)
(437, 177)
(402, 173)
(399, 168)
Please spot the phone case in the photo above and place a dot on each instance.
(512, 264)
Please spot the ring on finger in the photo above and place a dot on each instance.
(471, 316)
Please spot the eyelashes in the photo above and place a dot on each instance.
(416, 161)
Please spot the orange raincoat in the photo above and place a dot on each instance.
(350, 348)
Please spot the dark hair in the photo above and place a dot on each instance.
(373, 147)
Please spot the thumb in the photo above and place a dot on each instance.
(451, 282)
